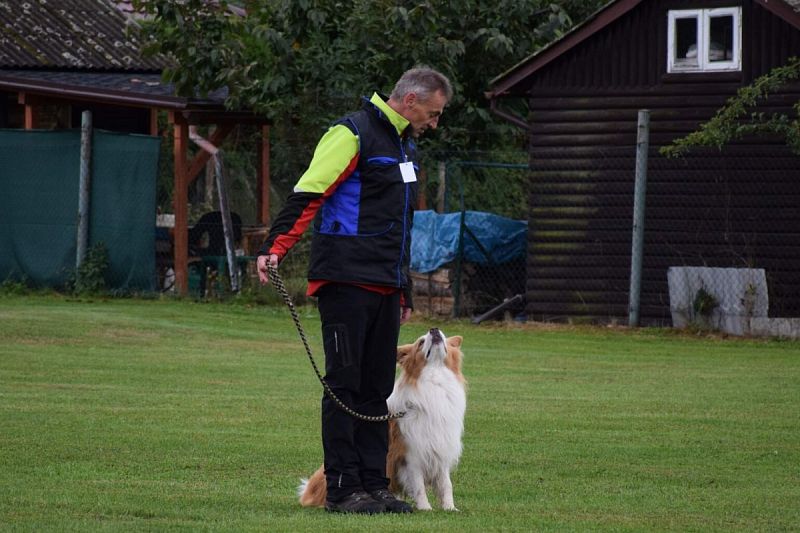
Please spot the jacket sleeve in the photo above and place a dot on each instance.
(335, 158)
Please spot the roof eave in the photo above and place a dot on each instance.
(106, 96)
(782, 10)
(504, 84)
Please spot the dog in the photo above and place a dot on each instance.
(425, 444)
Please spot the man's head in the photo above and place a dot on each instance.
(420, 96)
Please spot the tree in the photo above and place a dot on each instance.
(304, 62)
(738, 117)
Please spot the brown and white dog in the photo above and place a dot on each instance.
(425, 444)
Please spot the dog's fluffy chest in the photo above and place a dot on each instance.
(436, 390)
(435, 404)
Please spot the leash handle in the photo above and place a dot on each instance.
(277, 282)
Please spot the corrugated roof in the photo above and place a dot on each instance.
(73, 34)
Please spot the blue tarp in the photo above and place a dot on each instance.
(434, 240)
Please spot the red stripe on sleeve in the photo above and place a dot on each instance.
(283, 243)
(343, 176)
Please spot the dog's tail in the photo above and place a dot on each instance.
(301, 489)
(313, 491)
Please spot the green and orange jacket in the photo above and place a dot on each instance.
(361, 203)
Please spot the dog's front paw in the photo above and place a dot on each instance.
(424, 507)
(451, 508)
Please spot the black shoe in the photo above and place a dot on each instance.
(357, 502)
(393, 505)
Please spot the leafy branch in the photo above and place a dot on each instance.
(737, 119)
(302, 62)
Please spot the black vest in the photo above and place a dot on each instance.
(362, 233)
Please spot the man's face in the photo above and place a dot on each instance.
(424, 114)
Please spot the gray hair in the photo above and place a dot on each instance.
(422, 81)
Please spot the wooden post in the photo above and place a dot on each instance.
(153, 121)
(31, 112)
(180, 199)
(208, 184)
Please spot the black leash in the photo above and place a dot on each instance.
(277, 282)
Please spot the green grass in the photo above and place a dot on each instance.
(133, 415)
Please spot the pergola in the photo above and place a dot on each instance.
(37, 91)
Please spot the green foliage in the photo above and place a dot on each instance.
(90, 277)
(11, 286)
(737, 118)
(303, 63)
(499, 190)
(704, 303)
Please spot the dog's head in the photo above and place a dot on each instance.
(433, 348)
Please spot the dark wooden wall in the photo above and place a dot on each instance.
(113, 118)
(735, 208)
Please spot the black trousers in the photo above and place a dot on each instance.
(360, 329)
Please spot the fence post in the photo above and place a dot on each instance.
(637, 246)
(84, 188)
(227, 224)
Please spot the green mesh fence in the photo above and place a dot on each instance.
(39, 180)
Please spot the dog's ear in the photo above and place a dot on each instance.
(455, 341)
(403, 351)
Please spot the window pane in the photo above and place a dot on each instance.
(721, 46)
(686, 42)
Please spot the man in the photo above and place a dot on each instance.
(361, 189)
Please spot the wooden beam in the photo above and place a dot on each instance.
(217, 116)
(31, 117)
(154, 121)
(262, 187)
(180, 199)
(202, 157)
(31, 112)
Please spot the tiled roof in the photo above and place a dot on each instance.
(73, 34)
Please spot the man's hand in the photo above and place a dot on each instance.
(261, 266)
(405, 314)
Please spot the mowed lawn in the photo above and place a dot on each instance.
(137, 415)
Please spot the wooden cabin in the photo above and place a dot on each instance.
(736, 207)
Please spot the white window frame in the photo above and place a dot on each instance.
(703, 17)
